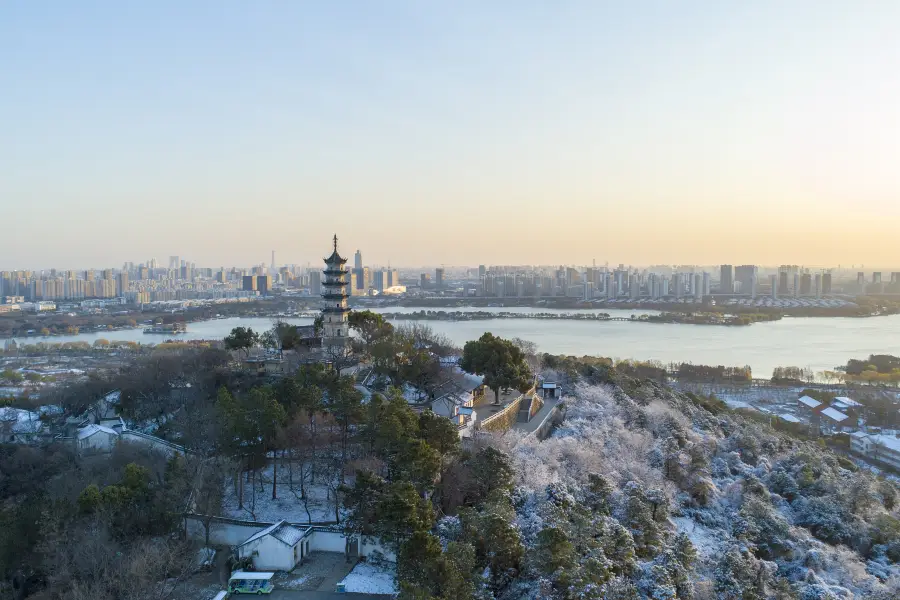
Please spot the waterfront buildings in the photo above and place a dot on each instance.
(726, 279)
(746, 277)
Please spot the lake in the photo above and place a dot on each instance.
(816, 343)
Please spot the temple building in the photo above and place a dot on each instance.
(335, 311)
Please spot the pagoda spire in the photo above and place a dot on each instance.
(335, 242)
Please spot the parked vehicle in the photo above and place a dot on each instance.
(246, 582)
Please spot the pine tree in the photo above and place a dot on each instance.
(597, 494)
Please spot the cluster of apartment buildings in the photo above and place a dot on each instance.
(363, 280)
(591, 283)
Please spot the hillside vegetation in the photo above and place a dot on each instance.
(648, 493)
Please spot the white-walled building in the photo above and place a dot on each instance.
(279, 547)
(881, 447)
(97, 437)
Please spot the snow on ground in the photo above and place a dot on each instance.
(366, 578)
(288, 581)
(287, 505)
(707, 542)
(735, 403)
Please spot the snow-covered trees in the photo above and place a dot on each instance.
(643, 494)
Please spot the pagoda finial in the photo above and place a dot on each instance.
(335, 242)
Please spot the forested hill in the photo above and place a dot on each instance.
(644, 492)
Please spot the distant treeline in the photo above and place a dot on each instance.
(659, 371)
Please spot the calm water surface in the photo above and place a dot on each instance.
(817, 343)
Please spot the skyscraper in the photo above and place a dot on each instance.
(357, 260)
(315, 283)
(726, 279)
(826, 283)
(746, 275)
(438, 278)
(361, 280)
(121, 283)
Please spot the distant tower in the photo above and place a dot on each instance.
(357, 260)
(273, 260)
(335, 312)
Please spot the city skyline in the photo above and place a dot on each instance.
(313, 262)
(466, 133)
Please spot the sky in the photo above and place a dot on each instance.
(464, 132)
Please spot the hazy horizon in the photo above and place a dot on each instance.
(464, 133)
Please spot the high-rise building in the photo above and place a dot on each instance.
(707, 286)
(361, 278)
(861, 280)
(379, 280)
(746, 276)
(796, 285)
(425, 281)
(697, 286)
(335, 311)
(817, 282)
(782, 281)
(482, 271)
(726, 279)
(393, 277)
(357, 260)
(773, 283)
(174, 262)
(438, 278)
(121, 283)
(263, 284)
(678, 284)
(805, 284)
(315, 283)
(826, 283)
(620, 275)
(249, 283)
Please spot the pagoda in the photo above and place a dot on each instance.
(335, 311)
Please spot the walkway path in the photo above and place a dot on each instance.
(484, 411)
(536, 421)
